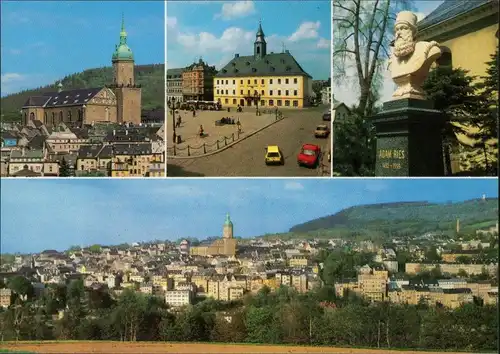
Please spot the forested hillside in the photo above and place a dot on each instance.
(151, 77)
(402, 219)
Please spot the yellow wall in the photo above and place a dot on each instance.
(262, 84)
(472, 50)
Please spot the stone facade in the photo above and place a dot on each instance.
(197, 82)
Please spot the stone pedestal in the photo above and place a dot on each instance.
(409, 139)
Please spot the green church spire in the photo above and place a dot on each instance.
(122, 51)
(228, 220)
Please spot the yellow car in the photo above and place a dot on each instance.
(322, 131)
(274, 156)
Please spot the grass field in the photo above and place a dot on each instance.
(167, 347)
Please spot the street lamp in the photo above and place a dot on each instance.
(256, 98)
(172, 107)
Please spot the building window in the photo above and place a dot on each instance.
(217, 91)
(286, 81)
(234, 92)
(279, 81)
(248, 92)
(270, 92)
(234, 82)
(279, 92)
(280, 103)
(241, 92)
(295, 92)
(271, 81)
(32, 116)
(60, 116)
(69, 116)
(287, 103)
(234, 100)
(53, 118)
(226, 101)
(227, 92)
(241, 82)
(262, 93)
(271, 103)
(217, 82)
(295, 80)
(45, 118)
(255, 82)
(248, 82)
(226, 82)
(262, 102)
(286, 93)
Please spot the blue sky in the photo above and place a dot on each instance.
(43, 41)
(216, 30)
(55, 214)
(344, 91)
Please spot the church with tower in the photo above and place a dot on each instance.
(118, 102)
(225, 246)
(264, 79)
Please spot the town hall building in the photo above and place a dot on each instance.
(118, 102)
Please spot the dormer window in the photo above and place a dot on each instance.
(56, 97)
(89, 94)
(77, 96)
(66, 96)
(254, 70)
(224, 70)
(65, 101)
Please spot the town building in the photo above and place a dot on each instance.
(197, 82)
(467, 32)
(326, 95)
(174, 85)
(263, 79)
(178, 298)
(119, 102)
(225, 246)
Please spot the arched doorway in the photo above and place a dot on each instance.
(32, 116)
(446, 58)
(242, 102)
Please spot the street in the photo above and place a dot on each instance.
(246, 158)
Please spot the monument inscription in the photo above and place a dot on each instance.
(392, 158)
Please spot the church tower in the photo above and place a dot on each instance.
(227, 230)
(260, 45)
(128, 94)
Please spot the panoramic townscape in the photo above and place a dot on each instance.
(253, 102)
(107, 121)
(382, 267)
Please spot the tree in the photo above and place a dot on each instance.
(362, 32)
(21, 286)
(355, 147)
(485, 117)
(95, 248)
(452, 92)
(64, 170)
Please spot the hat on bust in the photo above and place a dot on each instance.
(407, 18)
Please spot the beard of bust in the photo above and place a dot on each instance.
(404, 44)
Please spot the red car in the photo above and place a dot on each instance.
(309, 155)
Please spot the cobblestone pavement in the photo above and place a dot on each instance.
(246, 159)
(189, 129)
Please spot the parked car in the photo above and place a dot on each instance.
(327, 116)
(274, 156)
(322, 131)
(309, 155)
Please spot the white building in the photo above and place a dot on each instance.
(176, 298)
(326, 95)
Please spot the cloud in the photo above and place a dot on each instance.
(9, 78)
(293, 186)
(306, 30)
(171, 22)
(237, 9)
(323, 43)
(420, 16)
(231, 39)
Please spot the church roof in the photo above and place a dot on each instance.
(450, 9)
(77, 97)
(273, 64)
